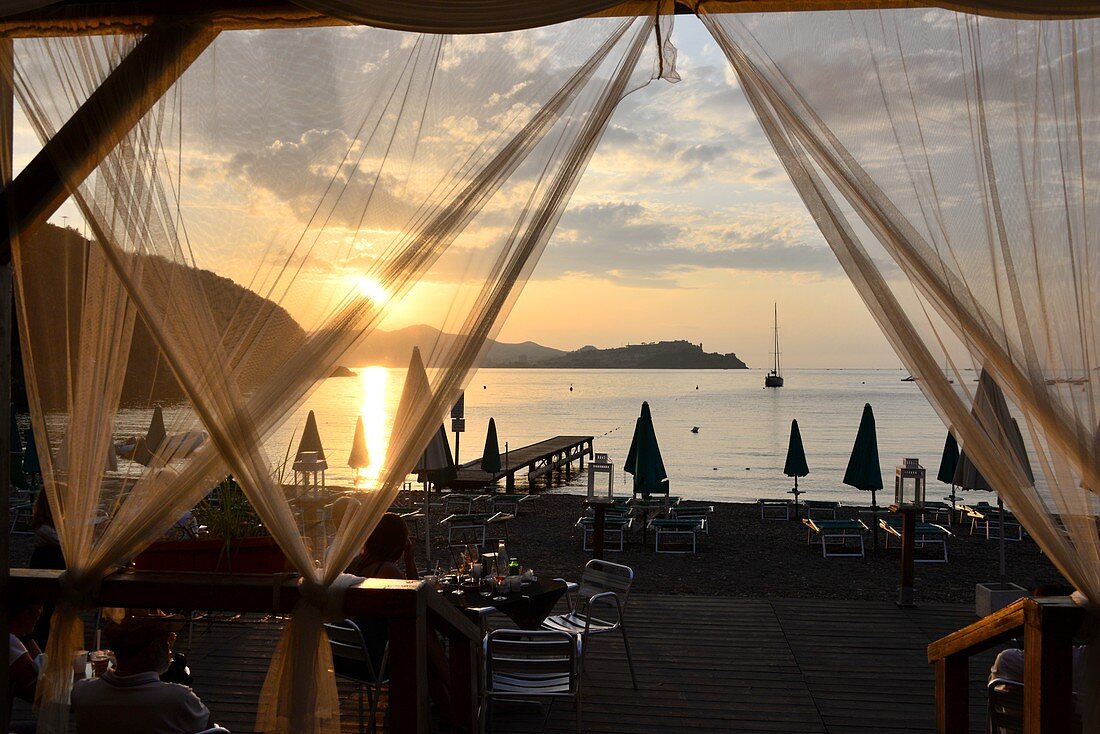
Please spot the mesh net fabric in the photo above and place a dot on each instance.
(292, 191)
(946, 159)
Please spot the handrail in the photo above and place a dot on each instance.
(1048, 625)
(411, 609)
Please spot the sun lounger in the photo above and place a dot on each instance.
(985, 519)
(695, 512)
(670, 531)
(615, 528)
(834, 533)
(474, 527)
(928, 534)
(936, 512)
(824, 509)
(507, 502)
(775, 509)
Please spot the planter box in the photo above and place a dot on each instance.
(210, 555)
(989, 598)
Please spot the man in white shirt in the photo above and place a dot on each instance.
(132, 699)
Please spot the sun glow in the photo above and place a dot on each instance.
(372, 289)
(374, 383)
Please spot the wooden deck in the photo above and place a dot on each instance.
(705, 664)
(538, 459)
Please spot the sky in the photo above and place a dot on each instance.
(684, 226)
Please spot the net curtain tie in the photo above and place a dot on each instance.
(77, 591)
(329, 600)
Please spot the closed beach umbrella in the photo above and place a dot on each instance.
(948, 463)
(311, 439)
(795, 466)
(991, 410)
(864, 472)
(437, 467)
(643, 460)
(360, 457)
(490, 456)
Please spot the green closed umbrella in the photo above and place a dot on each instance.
(948, 463)
(864, 472)
(991, 411)
(490, 456)
(643, 460)
(795, 465)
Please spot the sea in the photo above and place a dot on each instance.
(737, 454)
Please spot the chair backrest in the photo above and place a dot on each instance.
(346, 642)
(600, 576)
(1006, 706)
(535, 656)
(215, 730)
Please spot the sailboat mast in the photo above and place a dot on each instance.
(776, 307)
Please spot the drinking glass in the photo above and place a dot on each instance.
(499, 578)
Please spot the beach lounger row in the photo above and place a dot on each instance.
(985, 519)
(470, 528)
(464, 504)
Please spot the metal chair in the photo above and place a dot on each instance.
(352, 661)
(215, 730)
(1006, 708)
(525, 665)
(598, 608)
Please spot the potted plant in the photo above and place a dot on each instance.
(231, 539)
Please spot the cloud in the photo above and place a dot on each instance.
(630, 243)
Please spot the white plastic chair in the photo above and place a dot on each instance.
(526, 665)
(598, 607)
(352, 661)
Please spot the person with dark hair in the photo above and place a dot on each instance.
(46, 554)
(388, 544)
(132, 699)
(23, 653)
(1009, 663)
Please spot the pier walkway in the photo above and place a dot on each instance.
(555, 454)
(705, 664)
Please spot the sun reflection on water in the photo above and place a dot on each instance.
(374, 382)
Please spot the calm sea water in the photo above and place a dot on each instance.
(737, 455)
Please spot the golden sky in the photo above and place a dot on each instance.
(684, 226)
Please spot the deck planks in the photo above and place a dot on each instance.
(705, 664)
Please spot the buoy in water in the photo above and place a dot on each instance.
(695, 429)
(570, 387)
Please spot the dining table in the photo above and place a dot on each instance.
(528, 607)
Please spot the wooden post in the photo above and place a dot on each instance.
(464, 688)
(598, 531)
(1048, 669)
(953, 695)
(409, 673)
(82, 143)
(908, 551)
(6, 133)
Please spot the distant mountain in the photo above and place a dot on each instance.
(653, 356)
(392, 349)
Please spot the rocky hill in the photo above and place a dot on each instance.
(653, 356)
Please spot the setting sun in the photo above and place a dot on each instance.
(372, 289)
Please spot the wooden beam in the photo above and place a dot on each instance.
(96, 128)
(953, 695)
(87, 17)
(1048, 666)
(6, 324)
(981, 635)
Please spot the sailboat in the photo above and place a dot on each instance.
(775, 378)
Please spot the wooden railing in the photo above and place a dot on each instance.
(412, 609)
(1048, 625)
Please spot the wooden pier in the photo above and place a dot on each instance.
(554, 455)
